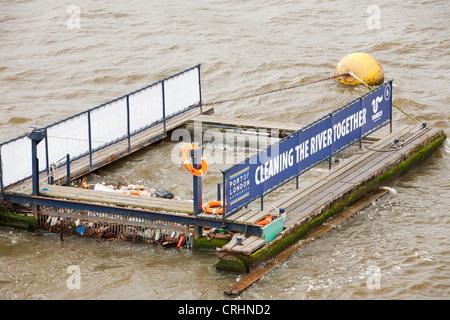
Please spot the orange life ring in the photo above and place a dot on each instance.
(187, 163)
(208, 207)
(266, 220)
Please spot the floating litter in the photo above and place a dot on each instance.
(391, 190)
(80, 230)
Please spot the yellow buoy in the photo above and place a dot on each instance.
(363, 66)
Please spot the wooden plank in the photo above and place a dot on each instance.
(256, 217)
(371, 165)
(299, 212)
(209, 216)
(238, 214)
(327, 194)
(172, 205)
(232, 242)
(231, 218)
(246, 243)
(247, 216)
(251, 124)
(334, 173)
(232, 246)
(328, 189)
(255, 245)
(61, 191)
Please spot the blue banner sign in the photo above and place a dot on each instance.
(307, 147)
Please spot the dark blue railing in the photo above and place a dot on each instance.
(304, 149)
(167, 88)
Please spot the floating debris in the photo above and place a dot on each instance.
(163, 193)
(111, 227)
(127, 188)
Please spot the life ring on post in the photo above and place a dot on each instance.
(208, 207)
(185, 154)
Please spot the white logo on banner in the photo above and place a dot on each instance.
(387, 92)
(376, 115)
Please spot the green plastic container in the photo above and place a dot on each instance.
(270, 231)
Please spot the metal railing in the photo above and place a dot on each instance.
(304, 149)
(116, 121)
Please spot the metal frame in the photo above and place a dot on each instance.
(131, 212)
(296, 176)
(36, 200)
(127, 136)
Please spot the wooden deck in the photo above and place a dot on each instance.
(118, 199)
(359, 169)
(247, 245)
(250, 216)
(317, 196)
(283, 129)
(307, 201)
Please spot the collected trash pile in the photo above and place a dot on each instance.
(107, 227)
(115, 227)
(127, 188)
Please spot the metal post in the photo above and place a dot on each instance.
(68, 170)
(164, 107)
(1, 175)
(224, 205)
(390, 124)
(90, 139)
(128, 124)
(218, 192)
(197, 188)
(47, 163)
(36, 136)
(390, 120)
(35, 167)
(331, 149)
(200, 90)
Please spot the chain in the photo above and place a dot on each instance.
(274, 91)
(370, 88)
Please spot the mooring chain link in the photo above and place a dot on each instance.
(393, 147)
(273, 91)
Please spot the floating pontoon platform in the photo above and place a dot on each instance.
(127, 124)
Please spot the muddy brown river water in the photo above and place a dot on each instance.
(59, 58)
